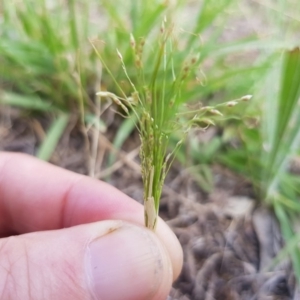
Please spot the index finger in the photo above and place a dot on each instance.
(35, 195)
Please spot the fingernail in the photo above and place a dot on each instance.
(128, 263)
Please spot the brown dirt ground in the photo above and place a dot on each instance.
(229, 241)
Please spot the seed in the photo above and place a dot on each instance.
(246, 98)
(216, 112)
(231, 103)
(132, 41)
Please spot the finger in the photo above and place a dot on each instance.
(35, 196)
(38, 196)
(103, 260)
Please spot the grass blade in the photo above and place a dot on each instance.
(27, 102)
(287, 121)
(123, 133)
(288, 235)
(53, 135)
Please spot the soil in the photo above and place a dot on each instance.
(229, 240)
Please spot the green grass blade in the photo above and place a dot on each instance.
(95, 121)
(290, 247)
(122, 135)
(288, 234)
(72, 22)
(209, 10)
(53, 135)
(287, 121)
(27, 102)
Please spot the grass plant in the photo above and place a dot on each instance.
(158, 103)
(281, 139)
(269, 147)
(270, 143)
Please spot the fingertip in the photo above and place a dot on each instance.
(172, 245)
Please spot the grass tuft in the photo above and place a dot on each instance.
(158, 103)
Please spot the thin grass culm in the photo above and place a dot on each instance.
(158, 101)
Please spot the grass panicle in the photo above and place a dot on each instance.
(156, 100)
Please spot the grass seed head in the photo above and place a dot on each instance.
(246, 98)
(120, 55)
(132, 41)
(141, 46)
(231, 103)
(194, 59)
(138, 62)
(215, 112)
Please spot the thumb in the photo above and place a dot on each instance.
(105, 260)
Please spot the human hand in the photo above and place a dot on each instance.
(67, 236)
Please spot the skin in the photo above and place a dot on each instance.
(45, 210)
